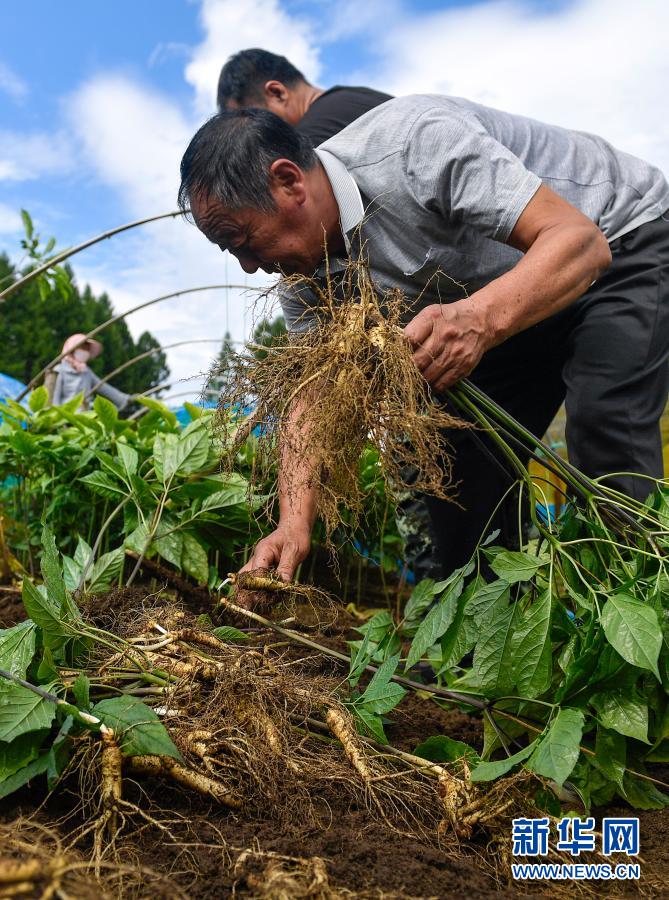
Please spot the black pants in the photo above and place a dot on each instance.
(606, 357)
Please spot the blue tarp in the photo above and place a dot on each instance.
(10, 388)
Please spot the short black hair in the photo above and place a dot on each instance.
(244, 74)
(230, 156)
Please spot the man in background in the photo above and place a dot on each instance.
(261, 79)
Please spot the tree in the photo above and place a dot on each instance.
(36, 320)
(221, 370)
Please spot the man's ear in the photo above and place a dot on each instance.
(287, 177)
(275, 90)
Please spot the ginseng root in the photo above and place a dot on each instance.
(165, 766)
(343, 730)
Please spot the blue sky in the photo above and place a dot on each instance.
(98, 100)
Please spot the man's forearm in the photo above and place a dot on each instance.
(558, 268)
(298, 495)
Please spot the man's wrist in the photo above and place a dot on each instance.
(489, 321)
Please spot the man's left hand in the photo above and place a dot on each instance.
(448, 341)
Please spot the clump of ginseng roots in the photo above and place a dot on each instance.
(264, 738)
(321, 395)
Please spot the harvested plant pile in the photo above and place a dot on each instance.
(159, 696)
(321, 395)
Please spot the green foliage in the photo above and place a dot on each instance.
(441, 749)
(41, 717)
(39, 317)
(570, 648)
(106, 482)
(138, 728)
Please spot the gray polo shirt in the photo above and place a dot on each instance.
(436, 185)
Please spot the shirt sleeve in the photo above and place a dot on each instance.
(456, 168)
(298, 307)
(118, 398)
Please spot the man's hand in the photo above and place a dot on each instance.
(285, 548)
(448, 341)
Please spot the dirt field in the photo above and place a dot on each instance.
(218, 853)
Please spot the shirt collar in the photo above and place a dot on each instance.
(346, 192)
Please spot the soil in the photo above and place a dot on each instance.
(364, 858)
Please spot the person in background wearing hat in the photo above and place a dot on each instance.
(74, 377)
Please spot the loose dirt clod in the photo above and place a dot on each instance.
(320, 396)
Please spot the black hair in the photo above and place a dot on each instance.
(229, 158)
(244, 74)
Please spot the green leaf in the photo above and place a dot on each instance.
(229, 496)
(623, 714)
(38, 399)
(45, 614)
(488, 771)
(194, 559)
(47, 671)
(168, 542)
(388, 698)
(71, 573)
(83, 555)
(421, 597)
(17, 648)
(643, 794)
(106, 570)
(106, 412)
(51, 571)
(381, 694)
(195, 412)
(378, 627)
(59, 754)
(129, 458)
(514, 565)
(228, 634)
(81, 690)
(435, 623)
(486, 600)
(27, 223)
(493, 656)
(22, 710)
(532, 651)
(164, 456)
(439, 748)
(160, 408)
(558, 748)
(632, 628)
(371, 724)
(610, 755)
(359, 662)
(137, 727)
(18, 753)
(21, 777)
(136, 540)
(192, 449)
(144, 497)
(102, 483)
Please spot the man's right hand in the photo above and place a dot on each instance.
(284, 549)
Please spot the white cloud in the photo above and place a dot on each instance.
(595, 65)
(231, 26)
(131, 139)
(581, 66)
(10, 220)
(11, 84)
(25, 156)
